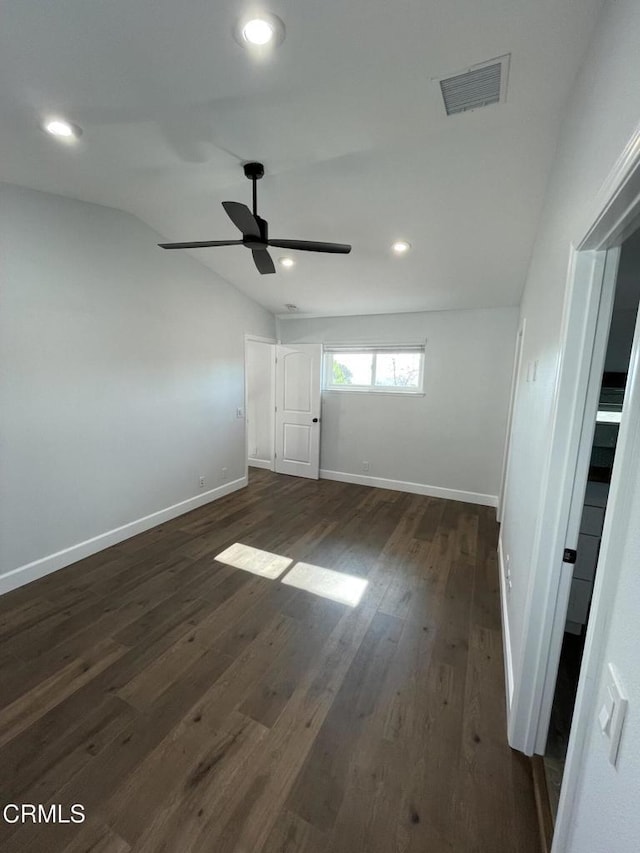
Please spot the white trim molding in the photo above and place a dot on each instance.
(260, 463)
(412, 488)
(613, 216)
(513, 395)
(506, 633)
(45, 565)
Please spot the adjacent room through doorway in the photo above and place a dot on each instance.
(260, 401)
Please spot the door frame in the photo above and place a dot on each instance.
(597, 320)
(513, 394)
(548, 577)
(261, 340)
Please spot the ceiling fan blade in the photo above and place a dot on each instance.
(312, 246)
(204, 245)
(242, 218)
(263, 261)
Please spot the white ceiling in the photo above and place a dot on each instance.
(344, 114)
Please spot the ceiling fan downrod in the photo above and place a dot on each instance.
(254, 171)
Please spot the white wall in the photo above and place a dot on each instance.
(122, 368)
(602, 116)
(260, 368)
(452, 438)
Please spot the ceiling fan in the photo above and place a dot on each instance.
(255, 231)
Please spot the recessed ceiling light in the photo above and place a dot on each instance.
(262, 31)
(287, 262)
(257, 31)
(62, 129)
(400, 247)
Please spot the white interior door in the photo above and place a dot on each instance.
(298, 409)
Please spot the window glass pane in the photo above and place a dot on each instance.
(398, 369)
(351, 368)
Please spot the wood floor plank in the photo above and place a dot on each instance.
(225, 631)
(271, 692)
(45, 659)
(427, 526)
(485, 755)
(258, 801)
(486, 593)
(291, 834)
(58, 745)
(191, 705)
(24, 616)
(96, 837)
(173, 610)
(178, 783)
(96, 782)
(20, 714)
(320, 787)
(226, 693)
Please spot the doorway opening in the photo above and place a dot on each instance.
(283, 403)
(601, 427)
(260, 361)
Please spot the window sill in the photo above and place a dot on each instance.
(373, 392)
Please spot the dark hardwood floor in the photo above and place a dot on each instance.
(193, 706)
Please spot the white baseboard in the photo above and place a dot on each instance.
(260, 463)
(506, 633)
(44, 566)
(413, 488)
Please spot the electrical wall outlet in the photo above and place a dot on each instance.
(202, 482)
(365, 466)
(239, 412)
(224, 473)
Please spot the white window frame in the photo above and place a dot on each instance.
(330, 350)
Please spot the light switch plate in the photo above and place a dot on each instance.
(613, 712)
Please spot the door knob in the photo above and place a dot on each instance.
(315, 420)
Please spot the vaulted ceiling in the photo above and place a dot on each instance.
(345, 115)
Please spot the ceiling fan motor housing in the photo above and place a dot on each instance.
(254, 171)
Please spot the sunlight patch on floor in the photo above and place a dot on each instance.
(345, 589)
(262, 563)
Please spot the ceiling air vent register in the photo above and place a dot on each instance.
(478, 86)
